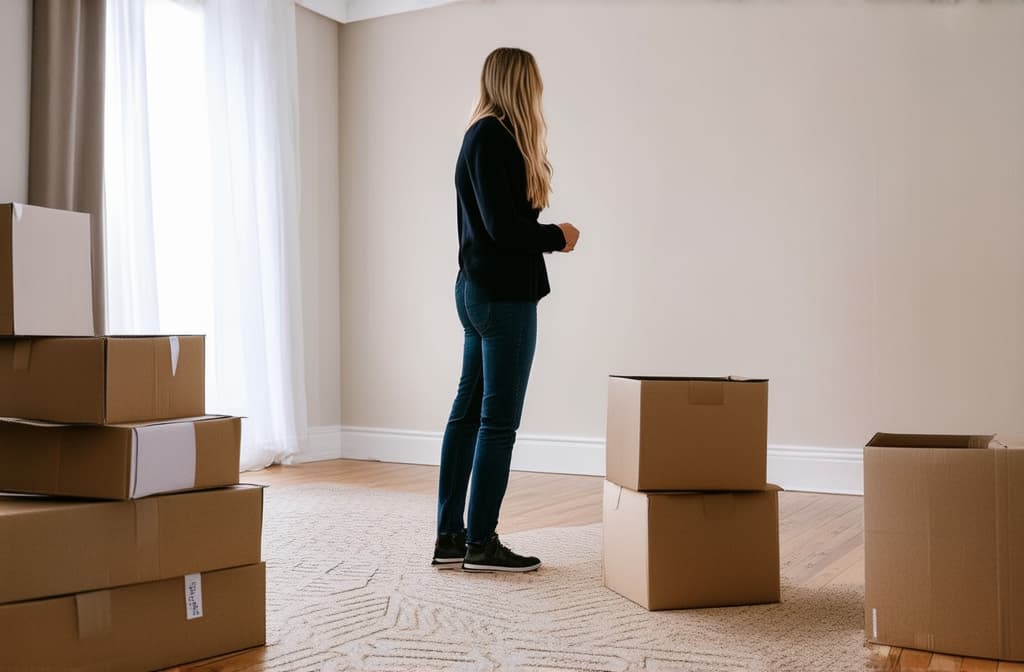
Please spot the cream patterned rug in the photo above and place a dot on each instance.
(349, 587)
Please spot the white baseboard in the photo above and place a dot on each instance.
(832, 470)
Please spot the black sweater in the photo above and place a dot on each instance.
(500, 241)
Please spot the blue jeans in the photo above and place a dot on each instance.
(501, 337)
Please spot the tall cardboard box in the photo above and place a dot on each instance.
(691, 549)
(45, 272)
(674, 434)
(60, 547)
(103, 380)
(944, 543)
(119, 461)
(145, 626)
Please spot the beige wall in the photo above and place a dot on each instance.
(318, 137)
(828, 195)
(15, 60)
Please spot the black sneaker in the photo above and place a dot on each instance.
(449, 550)
(494, 556)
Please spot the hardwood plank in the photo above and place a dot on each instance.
(944, 663)
(979, 665)
(883, 658)
(854, 574)
(912, 660)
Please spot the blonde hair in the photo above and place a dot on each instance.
(510, 90)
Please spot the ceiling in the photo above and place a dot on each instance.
(347, 11)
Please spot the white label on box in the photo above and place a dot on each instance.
(874, 623)
(52, 272)
(164, 458)
(175, 349)
(193, 596)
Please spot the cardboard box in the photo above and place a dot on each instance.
(691, 549)
(45, 272)
(53, 547)
(103, 380)
(119, 461)
(687, 433)
(146, 626)
(944, 544)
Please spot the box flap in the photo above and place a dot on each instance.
(722, 379)
(883, 440)
(622, 432)
(1008, 442)
(125, 425)
(626, 557)
(133, 337)
(17, 504)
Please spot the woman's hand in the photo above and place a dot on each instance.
(572, 234)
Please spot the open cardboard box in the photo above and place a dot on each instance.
(944, 543)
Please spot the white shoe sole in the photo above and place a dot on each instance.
(492, 568)
(447, 564)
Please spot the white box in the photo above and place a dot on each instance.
(45, 272)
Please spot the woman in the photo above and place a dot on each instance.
(502, 179)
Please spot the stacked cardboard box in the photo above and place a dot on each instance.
(128, 543)
(944, 543)
(689, 519)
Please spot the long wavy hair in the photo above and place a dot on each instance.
(510, 89)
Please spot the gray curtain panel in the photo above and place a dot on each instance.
(66, 127)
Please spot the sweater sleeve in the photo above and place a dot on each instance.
(492, 187)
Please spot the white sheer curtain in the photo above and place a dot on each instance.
(205, 199)
(128, 213)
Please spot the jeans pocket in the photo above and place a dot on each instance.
(478, 307)
(479, 315)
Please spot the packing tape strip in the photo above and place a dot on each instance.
(147, 538)
(719, 506)
(706, 393)
(93, 610)
(22, 354)
(175, 351)
(1004, 556)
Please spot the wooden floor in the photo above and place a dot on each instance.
(820, 534)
